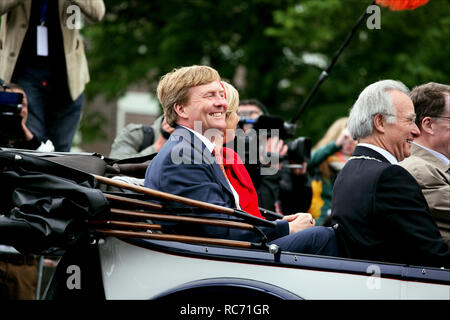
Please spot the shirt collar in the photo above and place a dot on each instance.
(389, 157)
(438, 155)
(206, 141)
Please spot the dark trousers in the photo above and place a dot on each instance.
(316, 240)
(52, 114)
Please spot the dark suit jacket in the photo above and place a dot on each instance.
(382, 214)
(185, 167)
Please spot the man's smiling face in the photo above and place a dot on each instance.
(403, 131)
(206, 104)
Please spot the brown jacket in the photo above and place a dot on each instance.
(14, 25)
(433, 177)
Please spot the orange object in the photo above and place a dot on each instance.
(402, 4)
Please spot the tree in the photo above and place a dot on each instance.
(273, 50)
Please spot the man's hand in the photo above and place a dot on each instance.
(274, 148)
(299, 221)
(276, 145)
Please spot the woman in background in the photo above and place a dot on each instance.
(328, 157)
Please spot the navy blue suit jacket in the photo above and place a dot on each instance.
(184, 166)
(382, 214)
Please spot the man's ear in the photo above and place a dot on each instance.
(427, 125)
(379, 123)
(180, 110)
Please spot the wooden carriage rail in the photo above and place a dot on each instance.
(125, 224)
(179, 238)
(137, 202)
(157, 206)
(186, 201)
(172, 218)
(108, 227)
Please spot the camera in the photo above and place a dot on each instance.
(299, 149)
(10, 118)
(286, 130)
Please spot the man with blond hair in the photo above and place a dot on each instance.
(193, 100)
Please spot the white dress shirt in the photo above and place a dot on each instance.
(210, 147)
(389, 157)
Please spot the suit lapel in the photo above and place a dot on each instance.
(201, 150)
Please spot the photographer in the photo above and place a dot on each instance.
(286, 189)
(42, 50)
(267, 186)
(25, 139)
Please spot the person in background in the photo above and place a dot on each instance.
(138, 140)
(29, 140)
(267, 186)
(42, 51)
(328, 157)
(430, 153)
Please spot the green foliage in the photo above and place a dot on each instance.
(272, 50)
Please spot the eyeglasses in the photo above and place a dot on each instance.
(448, 118)
(444, 117)
(249, 114)
(411, 120)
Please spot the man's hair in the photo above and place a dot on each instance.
(174, 87)
(255, 102)
(374, 99)
(429, 100)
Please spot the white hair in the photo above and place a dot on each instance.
(374, 99)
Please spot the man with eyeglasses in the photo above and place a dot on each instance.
(430, 153)
(379, 212)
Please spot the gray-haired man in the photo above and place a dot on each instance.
(378, 210)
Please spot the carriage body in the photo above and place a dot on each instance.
(151, 269)
(144, 265)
